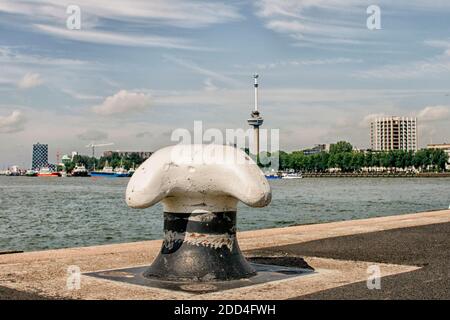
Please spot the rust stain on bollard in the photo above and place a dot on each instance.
(211, 240)
(199, 239)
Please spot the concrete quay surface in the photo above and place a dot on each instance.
(411, 251)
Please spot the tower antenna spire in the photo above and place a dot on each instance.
(255, 77)
(255, 119)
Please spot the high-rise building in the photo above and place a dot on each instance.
(394, 133)
(40, 156)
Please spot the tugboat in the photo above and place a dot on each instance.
(31, 173)
(80, 171)
(5, 173)
(107, 171)
(272, 175)
(47, 172)
(292, 175)
(131, 171)
(120, 172)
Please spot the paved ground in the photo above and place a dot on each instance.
(12, 294)
(425, 246)
(414, 261)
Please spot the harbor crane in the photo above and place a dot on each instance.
(93, 146)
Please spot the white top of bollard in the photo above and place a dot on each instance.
(198, 178)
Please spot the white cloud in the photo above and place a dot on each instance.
(203, 71)
(209, 85)
(307, 62)
(299, 29)
(365, 122)
(434, 113)
(178, 13)
(93, 135)
(30, 80)
(139, 16)
(144, 134)
(80, 96)
(123, 102)
(416, 69)
(325, 22)
(12, 123)
(11, 55)
(314, 21)
(23, 67)
(435, 65)
(437, 43)
(120, 39)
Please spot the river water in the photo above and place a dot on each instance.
(43, 213)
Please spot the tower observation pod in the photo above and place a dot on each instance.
(255, 119)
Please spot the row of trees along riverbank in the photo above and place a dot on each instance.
(343, 158)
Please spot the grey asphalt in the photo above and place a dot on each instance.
(425, 246)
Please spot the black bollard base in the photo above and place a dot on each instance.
(200, 247)
(200, 254)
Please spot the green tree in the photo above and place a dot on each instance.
(284, 160)
(347, 162)
(399, 159)
(420, 159)
(69, 166)
(297, 160)
(332, 161)
(438, 159)
(322, 160)
(359, 160)
(409, 159)
(368, 159)
(340, 147)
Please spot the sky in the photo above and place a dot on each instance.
(137, 70)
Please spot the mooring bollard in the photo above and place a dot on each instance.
(200, 187)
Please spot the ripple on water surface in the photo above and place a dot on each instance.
(43, 213)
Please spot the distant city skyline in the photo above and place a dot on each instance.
(138, 70)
